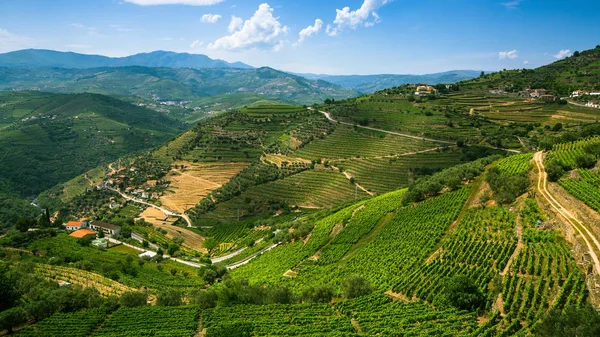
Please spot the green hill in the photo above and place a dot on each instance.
(181, 84)
(581, 71)
(46, 139)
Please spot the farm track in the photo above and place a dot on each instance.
(328, 116)
(591, 241)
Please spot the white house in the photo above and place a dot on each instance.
(147, 254)
(105, 227)
(74, 225)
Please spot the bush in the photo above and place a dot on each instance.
(205, 299)
(133, 299)
(555, 170)
(585, 161)
(462, 293)
(321, 294)
(355, 286)
(12, 318)
(169, 298)
(581, 322)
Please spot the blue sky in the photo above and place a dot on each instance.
(316, 36)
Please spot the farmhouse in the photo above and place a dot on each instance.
(425, 90)
(74, 225)
(83, 234)
(578, 93)
(105, 227)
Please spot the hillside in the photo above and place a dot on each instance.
(580, 71)
(371, 83)
(39, 58)
(168, 84)
(46, 139)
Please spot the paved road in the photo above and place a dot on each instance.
(142, 250)
(590, 240)
(165, 211)
(249, 258)
(328, 116)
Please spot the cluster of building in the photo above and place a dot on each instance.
(85, 229)
(580, 93)
(541, 94)
(425, 90)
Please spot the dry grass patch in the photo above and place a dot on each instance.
(192, 183)
(157, 218)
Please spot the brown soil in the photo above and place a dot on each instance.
(290, 273)
(337, 229)
(397, 296)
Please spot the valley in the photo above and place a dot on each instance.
(226, 200)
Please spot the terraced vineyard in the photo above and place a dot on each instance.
(105, 286)
(379, 315)
(346, 142)
(151, 321)
(586, 187)
(480, 248)
(566, 153)
(382, 175)
(79, 324)
(516, 164)
(276, 320)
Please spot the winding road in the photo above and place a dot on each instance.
(165, 211)
(593, 246)
(328, 116)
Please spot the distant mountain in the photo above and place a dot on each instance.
(39, 58)
(371, 83)
(173, 83)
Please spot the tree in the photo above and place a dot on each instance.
(133, 299)
(173, 248)
(23, 225)
(8, 293)
(557, 127)
(169, 298)
(462, 293)
(280, 295)
(355, 286)
(576, 54)
(555, 170)
(580, 322)
(593, 149)
(585, 161)
(209, 275)
(319, 294)
(205, 299)
(210, 244)
(11, 318)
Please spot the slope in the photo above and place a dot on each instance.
(48, 139)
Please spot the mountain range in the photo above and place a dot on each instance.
(40, 58)
(371, 83)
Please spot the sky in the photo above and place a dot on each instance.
(314, 36)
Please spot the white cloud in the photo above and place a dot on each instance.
(77, 25)
(526, 62)
(175, 2)
(235, 24)
(512, 4)
(210, 18)
(511, 55)
(10, 41)
(309, 31)
(261, 30)
(562, 54)
(352, 19)
(196, 44)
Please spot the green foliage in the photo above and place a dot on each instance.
(463, 293)
(578, 321)
(11, 318)
(133, 299)
(507, 187)
(169, 298)
(318, 294)
(355, 286)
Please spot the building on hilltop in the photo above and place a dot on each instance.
(83, 234)
(107, 228)
(74, 225)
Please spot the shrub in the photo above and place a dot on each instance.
(355, 286)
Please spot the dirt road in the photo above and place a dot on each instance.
(593, 246)
(328, 116)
